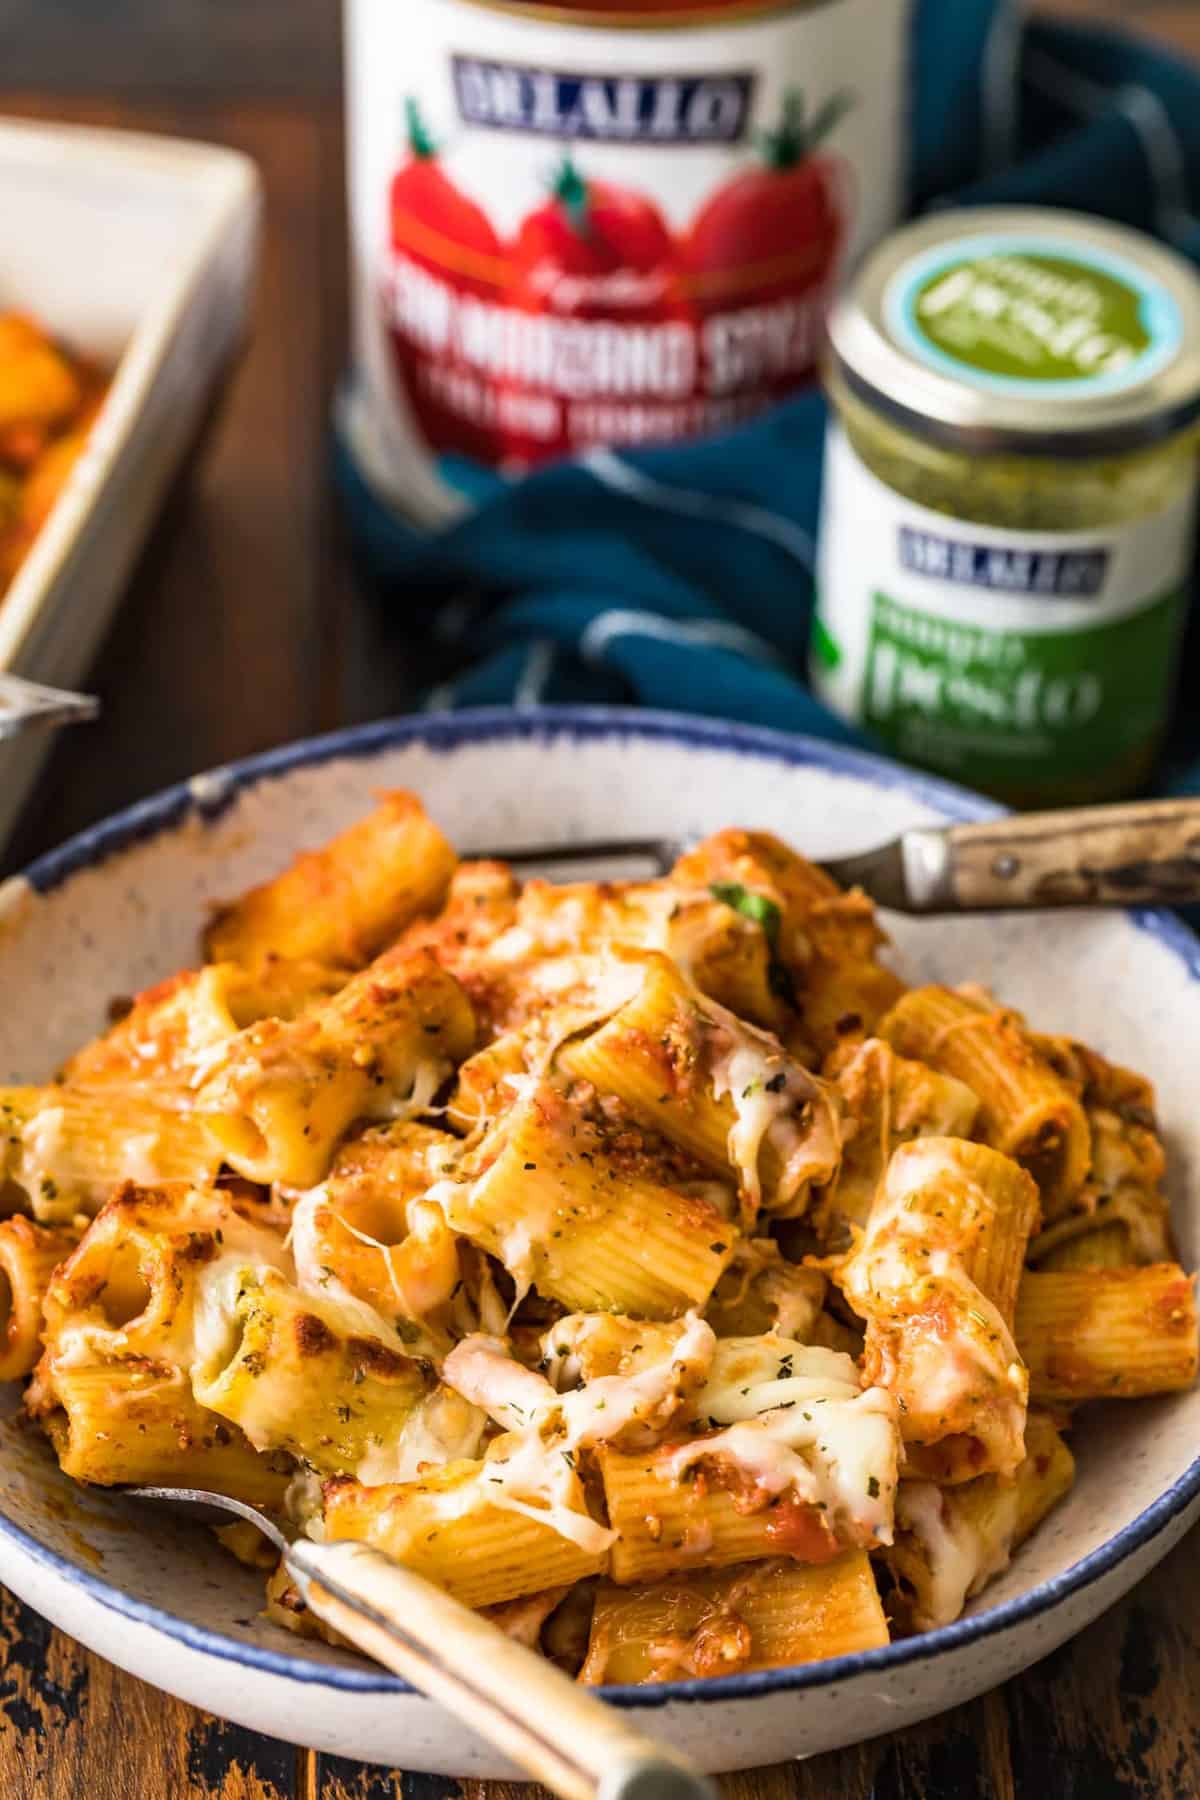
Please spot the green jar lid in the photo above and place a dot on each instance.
(1024, 330)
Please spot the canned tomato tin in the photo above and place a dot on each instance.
(576, 226)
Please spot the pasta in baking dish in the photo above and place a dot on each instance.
(642, 1262)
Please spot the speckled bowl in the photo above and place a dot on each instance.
(120, 906)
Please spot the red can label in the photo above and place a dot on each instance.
(569, 235)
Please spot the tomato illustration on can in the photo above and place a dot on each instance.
(593, 249)
(775, 232)
(438, 230)
(593, 253)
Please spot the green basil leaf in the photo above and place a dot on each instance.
(755, 907)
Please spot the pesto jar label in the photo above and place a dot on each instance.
(1036, 665)
(1028, 315)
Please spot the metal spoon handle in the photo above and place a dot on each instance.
(26, 703)
(561, 1735)
(1141, 852)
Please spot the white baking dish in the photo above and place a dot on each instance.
(139, 251)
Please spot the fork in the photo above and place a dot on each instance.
(1139, 852)
(27, 703)
(560, 1734)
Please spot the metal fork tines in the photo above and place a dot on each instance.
(610, 859)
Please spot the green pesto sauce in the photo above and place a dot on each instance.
(1030, 493)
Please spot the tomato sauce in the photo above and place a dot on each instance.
(577, 226)
(798, 1530)
(794, 1527)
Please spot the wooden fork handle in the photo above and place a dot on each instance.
(536, 1715)
(1144, 852)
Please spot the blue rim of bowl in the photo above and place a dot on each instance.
(207, 796)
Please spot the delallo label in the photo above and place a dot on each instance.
(575, 234)
(612, 109)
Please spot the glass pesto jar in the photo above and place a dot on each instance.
(1009, 500)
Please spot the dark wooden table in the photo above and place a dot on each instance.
(244, 627)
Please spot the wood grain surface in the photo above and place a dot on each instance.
(245, 626)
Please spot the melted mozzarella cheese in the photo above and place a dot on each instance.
(557, 919)
(742, 1074)
(775, 1102)
(533, 1469)
(313, 1275)
(432, 1275)
(909, 1257)
(838, 1455)
(580, 1346)
(523, 1474)
(442, 1428)
(205, 1062)
(483, 1371)
(796, 1421)
(349, 1316)
(44, 1142)
(428, 1077)
(140, 1160)
(607, 1407)
(217, 1326)
(750, 1375)
(960, 1556)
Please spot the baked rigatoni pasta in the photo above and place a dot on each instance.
(137, 1422)
(950, 1542)
(299, 1372)
(133, 1285)
(368, 1232)
(733, 1621)
(1120, 1215)
(1107, 1334)
(639, 1261)
(887, 1100)
(170, 1035)
(29, 1255)
(342, 903)
(825, 941)
(1027, 1109)
(451, 1527)
(722, 1090)
(67, 1148)
(284, 1093)
(584, 1208)
(935, 1275)
(787, 1455)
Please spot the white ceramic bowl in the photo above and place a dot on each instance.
(138, 251)
(120, 906)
